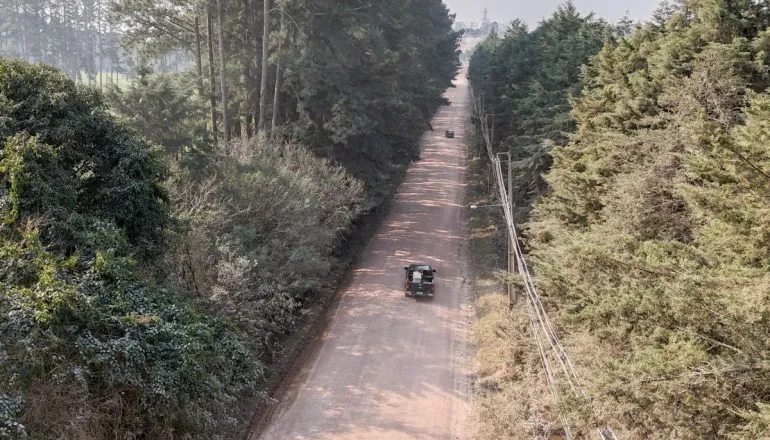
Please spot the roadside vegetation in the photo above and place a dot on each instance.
(507, 385)
(649, 233)
(526, 78)
(159, 240)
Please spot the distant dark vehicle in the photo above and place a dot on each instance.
(419, 280)
(450, 134)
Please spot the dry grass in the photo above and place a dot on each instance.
(48, 411)
(511, 401)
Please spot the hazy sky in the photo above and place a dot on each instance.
(532, 11)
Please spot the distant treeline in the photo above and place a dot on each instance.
(75, 36)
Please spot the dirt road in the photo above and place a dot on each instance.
(390, 367)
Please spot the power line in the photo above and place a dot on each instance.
(543, 330)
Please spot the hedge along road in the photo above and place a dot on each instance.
(391, 367)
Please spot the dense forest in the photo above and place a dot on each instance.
(650, 238)
(159, 237)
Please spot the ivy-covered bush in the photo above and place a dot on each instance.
(67, 162)
(139, 357)
(9, 410)
(88, 348)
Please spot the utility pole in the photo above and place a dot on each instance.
(512, 262)
(488, 135)
(492, 134)
(512, 258)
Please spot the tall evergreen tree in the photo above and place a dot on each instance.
(526, 80)
(651, 247)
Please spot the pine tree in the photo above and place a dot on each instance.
(651, 246)
(526, 80)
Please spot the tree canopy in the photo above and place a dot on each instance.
(355, 80)
(526, 79)
(68, 164)
(80, 331)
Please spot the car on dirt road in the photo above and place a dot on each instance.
(450, 134)
(419, 281)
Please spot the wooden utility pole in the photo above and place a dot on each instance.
(513, 262)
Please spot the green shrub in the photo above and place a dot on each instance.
(171, 367)
(9, 412)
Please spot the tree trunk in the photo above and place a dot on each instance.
(212, 75)
(235, 124)
(247, 105)
(223, 71)
(92, 60)
(99, 51)
(78, 78)
(198, 55)
(265, 49)
(249, 121)
(278, 78)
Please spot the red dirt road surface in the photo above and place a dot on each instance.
(391, 367)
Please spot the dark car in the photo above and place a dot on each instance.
(450, 134)
(419, 280)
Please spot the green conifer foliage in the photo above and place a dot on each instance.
(526, 80)
(67, 163)
(652, 245)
